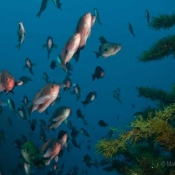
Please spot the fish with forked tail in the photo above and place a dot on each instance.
(89, 98)
(57, 3)
(84, 28)
(68, 51)
(131, 29)
(49, 45)
(45, 97)
(99, 73)
(21, 35)
(43, 7)
(147, 17)
(58, 116)
(77, 91)
(51, 149)
(29, 65)
(7, 82)
(107, 49)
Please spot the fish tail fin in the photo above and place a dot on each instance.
(93, 77)
(48, 55)
(97, 54)
(47, 81)
(38, 14)
(18, 46)
(30, 135)
(30, 79)
(76, 55)
(84, 103)
(31, 71)
(30, 110)
(60, 6)
(72, 92)
(64, 67)
(78, 97)
(79, 146)
(96, 165)
(46, 128)
(65, 89)
(68, 73)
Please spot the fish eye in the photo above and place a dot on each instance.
(6, 79)
(106, 49)
(52, 86)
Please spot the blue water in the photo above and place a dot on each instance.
(123, 70)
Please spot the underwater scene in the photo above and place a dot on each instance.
(87, 87)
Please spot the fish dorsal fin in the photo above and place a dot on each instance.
(102, 40)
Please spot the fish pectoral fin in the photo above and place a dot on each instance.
(72, 92)
(24, 67)
(42, 100)
(56, 159)
(1, 87)
(33, 64)
(52, 103)
(43, 106)
(89, 33)
(55, 46)
(44, 46)
(65, 121)
(48, 153)
(59, 59)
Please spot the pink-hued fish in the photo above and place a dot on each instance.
(51, 149)
(7, 82)
(84, 28)
(69, 49)
(45, 97)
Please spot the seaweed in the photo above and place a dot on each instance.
(162, 48)
(159, 95)
(152, 134)
(163, 21)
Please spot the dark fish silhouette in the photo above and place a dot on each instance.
(43, 7)
(53, 64)
(49, 45)
(57, 3)
(99, 73)
(89, 98)
(131, 29)
(147, 17)
(102, 123)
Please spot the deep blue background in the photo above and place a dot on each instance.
(123, 70)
